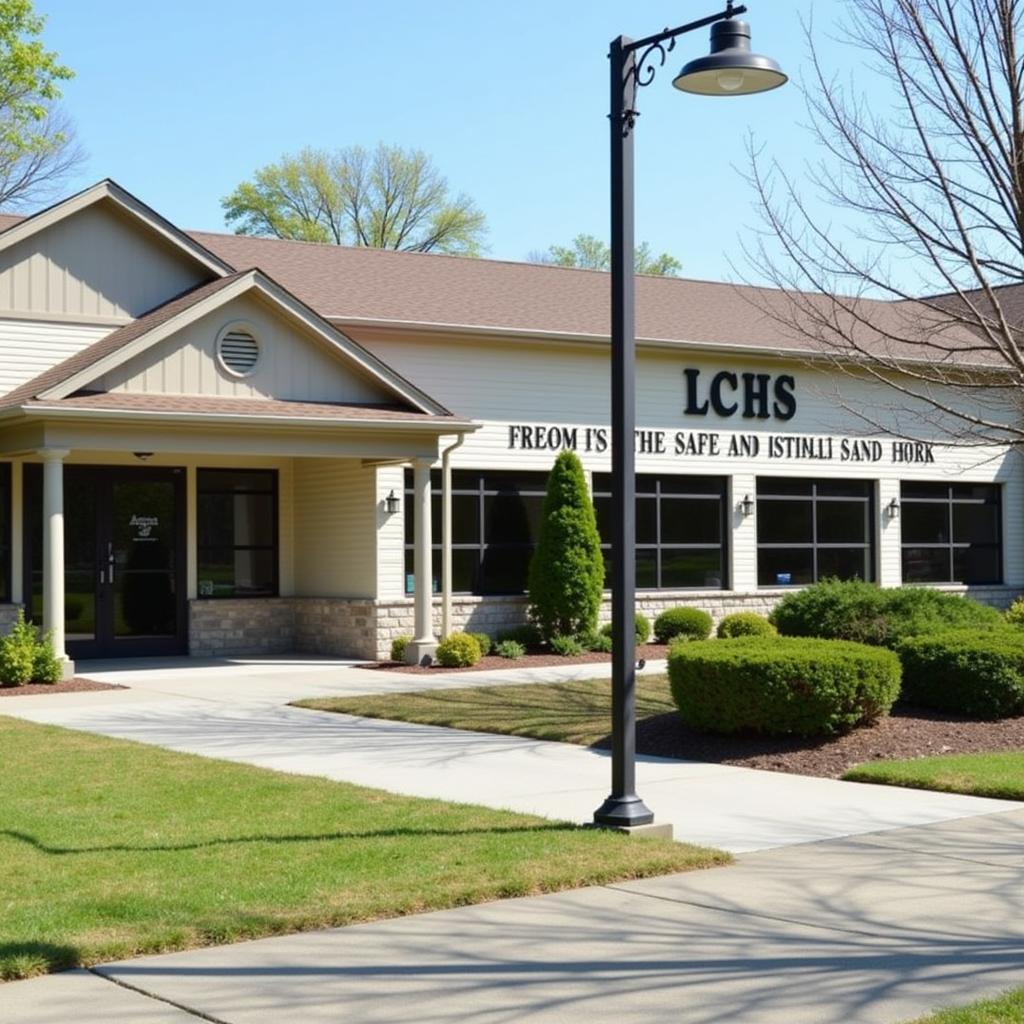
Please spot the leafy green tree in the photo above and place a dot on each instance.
(590, 253)
(567, 571)
(392, 198)
(37, 146)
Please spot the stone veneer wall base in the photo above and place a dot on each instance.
(363, 628)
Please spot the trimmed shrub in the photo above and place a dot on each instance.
(567, 569)
(1015, 613)
(459, 650)
(600, 641)
(509, 649)
(642, 627)
(967, 672)
(744, 624)
(528, 635)
(782, 685)
(867, 613)
(485, 642)
(18, 653)
(398, 646)
(566, 646)
(682, 624)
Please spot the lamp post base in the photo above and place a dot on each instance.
(623, 812)
(652, 830)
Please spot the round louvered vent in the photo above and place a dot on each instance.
(239, 351)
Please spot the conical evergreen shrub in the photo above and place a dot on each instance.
(567, 570)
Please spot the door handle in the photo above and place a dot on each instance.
(110, 561)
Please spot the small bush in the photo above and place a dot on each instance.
(459, 650)
(398, 646)
(566, 646)
(600, 641)
(528, 635)
(642, 626)
(967, 672)
(744, 624)
(511, 649)
(782, 686)
(1015, 613)
(869, 614)
(45, 666)
(682, 624)
(25, 658)
(485, 642)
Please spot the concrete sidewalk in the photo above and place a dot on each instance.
(237, 713)
(871, 930)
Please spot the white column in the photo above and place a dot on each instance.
(53, 547)
(17, 534)
(423, 643)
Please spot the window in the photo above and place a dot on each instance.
(808, 530)
(680, 530)
(951, 533)
(237, 532)
(495, 523)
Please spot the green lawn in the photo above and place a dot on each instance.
(110, 849)
(1007, 1009)
(998, 775)
(577, 712)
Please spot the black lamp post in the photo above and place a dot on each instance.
(730, 70)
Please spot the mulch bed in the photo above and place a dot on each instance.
(907, 733)
(649, 652)
(75, 685)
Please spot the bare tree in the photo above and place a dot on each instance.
(922, 289)
(34, 175)
(37, 140)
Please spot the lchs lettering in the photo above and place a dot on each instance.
(760, 395)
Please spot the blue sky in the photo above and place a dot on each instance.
(180, 102)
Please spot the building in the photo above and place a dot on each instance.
(227, 445)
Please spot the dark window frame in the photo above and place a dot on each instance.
(660, 497)
(952, 545)
(481, 492)
(274, 547)
(869, 546)
(7, 553)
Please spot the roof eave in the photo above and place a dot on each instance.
(41, 410)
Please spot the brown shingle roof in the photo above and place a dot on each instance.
(349, 285)
(250, 407)
(113, 342)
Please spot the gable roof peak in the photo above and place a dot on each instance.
(109, 190)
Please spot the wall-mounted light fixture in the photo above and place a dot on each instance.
(143, 456)
(392, 503)
(892, 510)
(746, 506)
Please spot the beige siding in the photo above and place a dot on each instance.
(390, 535)
(291, 365)
(28, 347)
(336, 517)
(515, 382)
(95, 263)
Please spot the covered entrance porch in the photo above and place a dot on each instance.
(149, 539)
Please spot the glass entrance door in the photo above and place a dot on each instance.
(124, 536)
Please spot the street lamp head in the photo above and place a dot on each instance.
(730, 69)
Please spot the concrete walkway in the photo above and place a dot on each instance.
(236, 711)
(872, 930)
